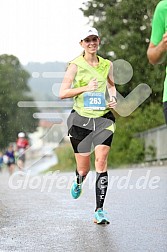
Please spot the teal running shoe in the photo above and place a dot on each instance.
(100, 217)
(76, 190)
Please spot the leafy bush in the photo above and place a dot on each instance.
(66, 159)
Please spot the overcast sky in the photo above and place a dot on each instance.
(41, 30)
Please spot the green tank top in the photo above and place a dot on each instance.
(159, 27)
(91, 104)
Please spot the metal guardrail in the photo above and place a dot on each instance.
(155, 141)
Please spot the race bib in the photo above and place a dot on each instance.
(94, 100)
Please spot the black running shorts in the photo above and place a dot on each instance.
(85, 132)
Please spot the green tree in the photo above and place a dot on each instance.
(127, 145)
(14, 88)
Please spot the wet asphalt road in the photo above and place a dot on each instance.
(38, 214)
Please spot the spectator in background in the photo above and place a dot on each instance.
(158, 43)
(1, 161)
(10, 158)
(21, 145)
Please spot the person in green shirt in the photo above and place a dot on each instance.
(158, 43)
(87, 79)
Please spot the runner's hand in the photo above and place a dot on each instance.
(164, 41)
(92, 85)
(112, 103)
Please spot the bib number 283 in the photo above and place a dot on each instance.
(94, 100)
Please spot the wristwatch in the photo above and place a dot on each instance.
(114, 98)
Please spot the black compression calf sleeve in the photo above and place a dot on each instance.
(101, 188)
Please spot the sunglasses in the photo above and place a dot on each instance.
(88, 40)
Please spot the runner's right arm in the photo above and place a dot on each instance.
(67, 92)
(156, 54)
